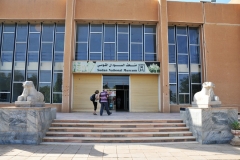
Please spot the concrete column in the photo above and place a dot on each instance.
(163, 55)
(68, 56)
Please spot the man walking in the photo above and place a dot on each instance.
(104, 102)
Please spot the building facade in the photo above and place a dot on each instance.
(151, 55)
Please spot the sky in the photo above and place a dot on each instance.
(217, 1)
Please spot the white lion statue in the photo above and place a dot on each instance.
(206, 94)
(30, 93)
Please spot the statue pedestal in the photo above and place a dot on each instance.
(25, 125)
(206, 104)
(210, 125)
(29, 104)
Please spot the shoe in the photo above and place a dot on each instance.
(94, 113)
(110, 113)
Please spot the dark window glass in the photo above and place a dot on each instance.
(5, 81)
(32, 57)
(81, 51)
(173, 93)
(35, 28)
(0, 32)
(57, 98)
(172, 53)
(194, 53)
(58, 57)
(122, 42)
(20, 52)
(96, 28)
(136, 52)
(150, 43)
(109, 35)
(172, 77)
(46, 52)
(82, 33)
(136, 33)
(95, 56)
(182, 59)
(193, 36)
(17, 91)
(19, 75)
(45, 76)
(8, 42)
(47, 33)
(57, 82)
(150, 29)
(123, 56)
(4, 97)
(171, 35)
(33, 76)
(96, 42)
(182, 30)
(184, 98)
(44, 88)
(22, 32)
(109, 51)
(195, 88)
(34, 42)
(150, 57)
(183, 83)
(123, 28)
(7, 57)
(196, 77)
(59, 42)
(9, 28)
(182, 44)
(60, 28)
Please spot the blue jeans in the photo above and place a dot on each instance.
(104, 105)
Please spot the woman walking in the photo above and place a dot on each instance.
(95, 102)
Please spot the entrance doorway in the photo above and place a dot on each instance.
(118, 88)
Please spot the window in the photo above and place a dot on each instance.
(31, 52)
(184, 64)
(116, 42)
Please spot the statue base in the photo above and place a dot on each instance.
(211, 104)
(29, 104)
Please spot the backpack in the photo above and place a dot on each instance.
(92, 97)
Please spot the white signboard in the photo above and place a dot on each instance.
(116, 67)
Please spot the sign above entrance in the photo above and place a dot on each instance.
(116, 67)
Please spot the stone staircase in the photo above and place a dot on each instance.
(118, 131)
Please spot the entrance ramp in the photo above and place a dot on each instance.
(118, 128)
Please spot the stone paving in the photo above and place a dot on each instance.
(182, 151)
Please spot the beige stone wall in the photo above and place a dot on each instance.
(144, 96)
(84, 85)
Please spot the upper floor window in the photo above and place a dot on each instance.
(116, 42)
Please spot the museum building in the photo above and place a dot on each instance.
(151, 55)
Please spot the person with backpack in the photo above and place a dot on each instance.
(94, 98)
(103, 96)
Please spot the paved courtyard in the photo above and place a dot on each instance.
(120, 152)
(160, 151)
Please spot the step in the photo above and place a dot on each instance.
(118, 125)
(121, 134)
(118, 140)
(83, 129)
(119, 121)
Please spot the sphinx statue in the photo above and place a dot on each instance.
(206, 97)
(30, 97)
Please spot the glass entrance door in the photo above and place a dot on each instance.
(118, 89)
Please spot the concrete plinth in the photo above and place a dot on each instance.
(24, 125)
(29, 104)
(207, 104)
(210, 125)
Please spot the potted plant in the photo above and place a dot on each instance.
(235, 129)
